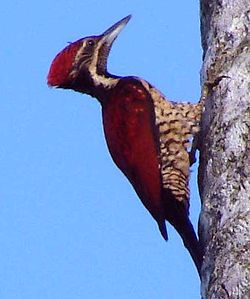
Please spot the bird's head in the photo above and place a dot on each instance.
(82, 65)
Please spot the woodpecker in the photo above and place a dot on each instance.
(147, 135)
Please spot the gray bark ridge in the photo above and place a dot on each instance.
(224, 171)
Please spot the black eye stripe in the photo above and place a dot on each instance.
(90, 43)
(89, 46)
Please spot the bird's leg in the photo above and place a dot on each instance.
(195, 146)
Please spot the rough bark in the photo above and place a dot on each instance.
(224, 171)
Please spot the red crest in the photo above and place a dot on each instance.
(59, 73)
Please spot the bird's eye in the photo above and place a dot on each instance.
(89, 48)
(90, 43)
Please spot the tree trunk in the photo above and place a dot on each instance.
(224, 171)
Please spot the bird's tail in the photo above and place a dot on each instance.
(177, 216)
(191, 242)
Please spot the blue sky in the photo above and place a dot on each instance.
(71, 226)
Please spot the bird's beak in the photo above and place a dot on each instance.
(111, 34)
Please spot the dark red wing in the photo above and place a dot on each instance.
(132, 138)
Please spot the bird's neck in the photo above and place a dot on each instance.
(96, 85)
